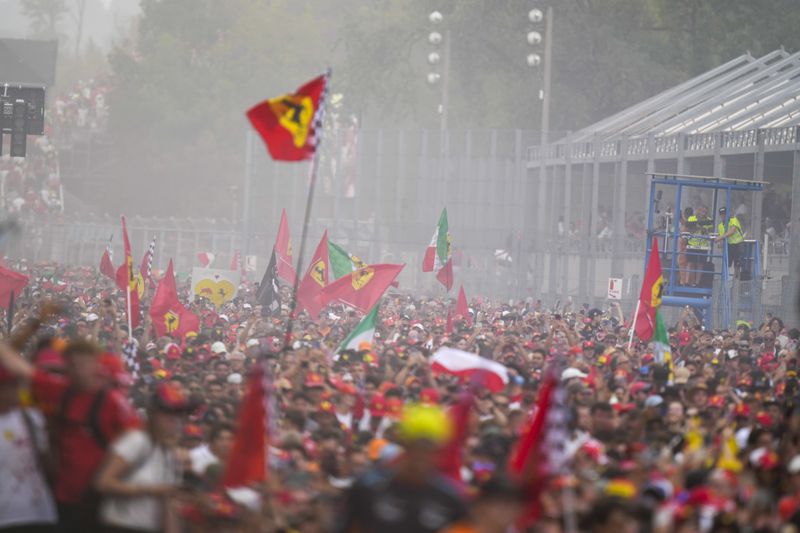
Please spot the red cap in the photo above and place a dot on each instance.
(377, 406)
(429, 395)
(172, 351)
(313, 380)
(394, 407)
(170, 399)
(639, 386)
(112, 366)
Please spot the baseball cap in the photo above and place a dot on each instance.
(794, 465)
(421, 422)
(653, 401)
(572, 373)
(218, 348)
(253, 342)
(170, 399)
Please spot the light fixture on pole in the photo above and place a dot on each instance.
(436, 58)
(535, 59)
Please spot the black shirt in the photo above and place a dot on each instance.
(378, 501)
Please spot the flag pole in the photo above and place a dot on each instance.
(319, 132)
(633, 324)
(11, 313)
(128, 305)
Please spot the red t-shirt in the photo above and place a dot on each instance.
(79, 453)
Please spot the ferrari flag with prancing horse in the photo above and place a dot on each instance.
(289, 124)
(650, 297)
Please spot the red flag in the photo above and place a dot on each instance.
(106, 268)
(170, 316)
(462, 309)
(445, 274)
(650, 295)
(363, 288)
(451, 455)
(289, 123)
(248, 462)
(283, 251)
(205, 258)
(316, 279)
(11, 282)
(126, 278)
(528, 460)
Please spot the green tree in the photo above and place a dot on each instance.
(44, 16)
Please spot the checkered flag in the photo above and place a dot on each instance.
(319, 115)
(151, 252)
(129, 352)
(146, 268)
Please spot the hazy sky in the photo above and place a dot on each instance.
(104, 19)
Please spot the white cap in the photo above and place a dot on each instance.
(572, 373)
(235, 378)
(253, 342)
(794, 465)
(91, 317)
(218, 347)
(224, 317)
(247, 306)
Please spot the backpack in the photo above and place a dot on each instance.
(92, 423)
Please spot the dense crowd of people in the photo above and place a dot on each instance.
(31, 187)
(356, 438)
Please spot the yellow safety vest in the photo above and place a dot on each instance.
(696, 243)
(737, 236)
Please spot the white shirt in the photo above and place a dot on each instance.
(24, 495)
(202, 458)
(150, 465)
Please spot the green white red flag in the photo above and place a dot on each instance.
(364, 332)
(438, 257)
(342, 262)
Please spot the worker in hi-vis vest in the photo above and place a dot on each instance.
(735, 238)
(698, 244)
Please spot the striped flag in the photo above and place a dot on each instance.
(146, 268)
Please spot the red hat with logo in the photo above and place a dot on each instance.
(377, 406)
(313, 381)
(429, 395)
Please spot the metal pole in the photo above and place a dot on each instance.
(548, 55)
(445, 81)
(307, 216)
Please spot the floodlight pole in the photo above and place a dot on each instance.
(548, 55)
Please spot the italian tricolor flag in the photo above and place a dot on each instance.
(437, 255)
(342, 263)
(661, 347)
(364, 332)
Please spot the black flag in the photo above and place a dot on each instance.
(268, 295)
